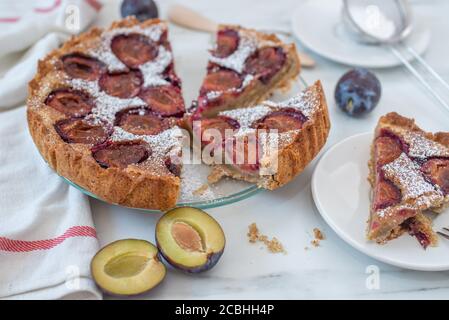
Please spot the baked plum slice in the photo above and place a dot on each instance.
(164, 100)
(134, 49)
(78, 65)
(386, 194)
(437, 171)
(71, 102)
(210, 128)
(141, 121)
(243, 153)
(77, 130)
(120, 154)
(190, 239)
(227, 43)
(127, 267)
(281, 120)
(123, 85)
(221, 80)
(265, 63)
(387, 148)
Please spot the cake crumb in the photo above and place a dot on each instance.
(215, 175)
(200, 191)
(273, 245)
(318, 237)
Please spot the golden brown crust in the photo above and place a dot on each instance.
(132, 187)
(308, 142)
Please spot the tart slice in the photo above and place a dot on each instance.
(244, 68)
(409, 173)
(104, 110)
(268, 144)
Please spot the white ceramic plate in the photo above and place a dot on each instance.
(341, 193)
(316, 24)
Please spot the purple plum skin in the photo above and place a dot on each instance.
(358, 92)
(141, 9)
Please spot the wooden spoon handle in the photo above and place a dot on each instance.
(191, 19)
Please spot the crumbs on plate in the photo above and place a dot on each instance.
(273, 245)
(318, 237)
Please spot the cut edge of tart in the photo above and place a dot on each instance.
(302, 123)
(245, 67)
(121, 79)
(409, 173)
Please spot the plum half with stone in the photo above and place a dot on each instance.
(190, 239)
(127, 267)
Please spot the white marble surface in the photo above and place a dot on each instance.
(334, 270)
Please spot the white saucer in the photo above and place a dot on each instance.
(341, 193)
(316, 24)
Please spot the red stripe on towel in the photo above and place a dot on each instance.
(94, 4)
(55, 5)
(27, 246)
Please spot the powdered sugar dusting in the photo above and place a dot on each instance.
(104, 52)
(152, 70)
(307, 102)
(106, 106)
(407, 175)
(236, 61)
(421, 147)
(247, 116)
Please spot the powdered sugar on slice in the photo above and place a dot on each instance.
(236, 61)
(409, 179)
(247, 116)
(421, 147)
(307, 102)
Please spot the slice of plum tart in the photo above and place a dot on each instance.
(245, 66)
(268, 144)
(104, 111)
(409, 173)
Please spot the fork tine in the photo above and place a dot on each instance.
(447, 229)
(443, 234)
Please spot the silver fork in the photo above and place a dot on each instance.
(443, 234)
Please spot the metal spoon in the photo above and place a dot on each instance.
(388, 23)
(188, 18)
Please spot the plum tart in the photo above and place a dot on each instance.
(409, 173)
(104, 110)
(268, 144)
(245, 67)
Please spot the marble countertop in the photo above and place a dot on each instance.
(333, 270)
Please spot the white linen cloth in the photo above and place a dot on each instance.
(47, 238)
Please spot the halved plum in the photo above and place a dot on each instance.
(78, 65)
(76, 130)
(134, 49)
(140, 121)
(120, 154)
(227, 43)
(71, 102)
(265, 63)
(437, 171)
(281, 120)
(122, 84)
(190, 239)
(127, 267)
(164, 100)
(221, 80)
